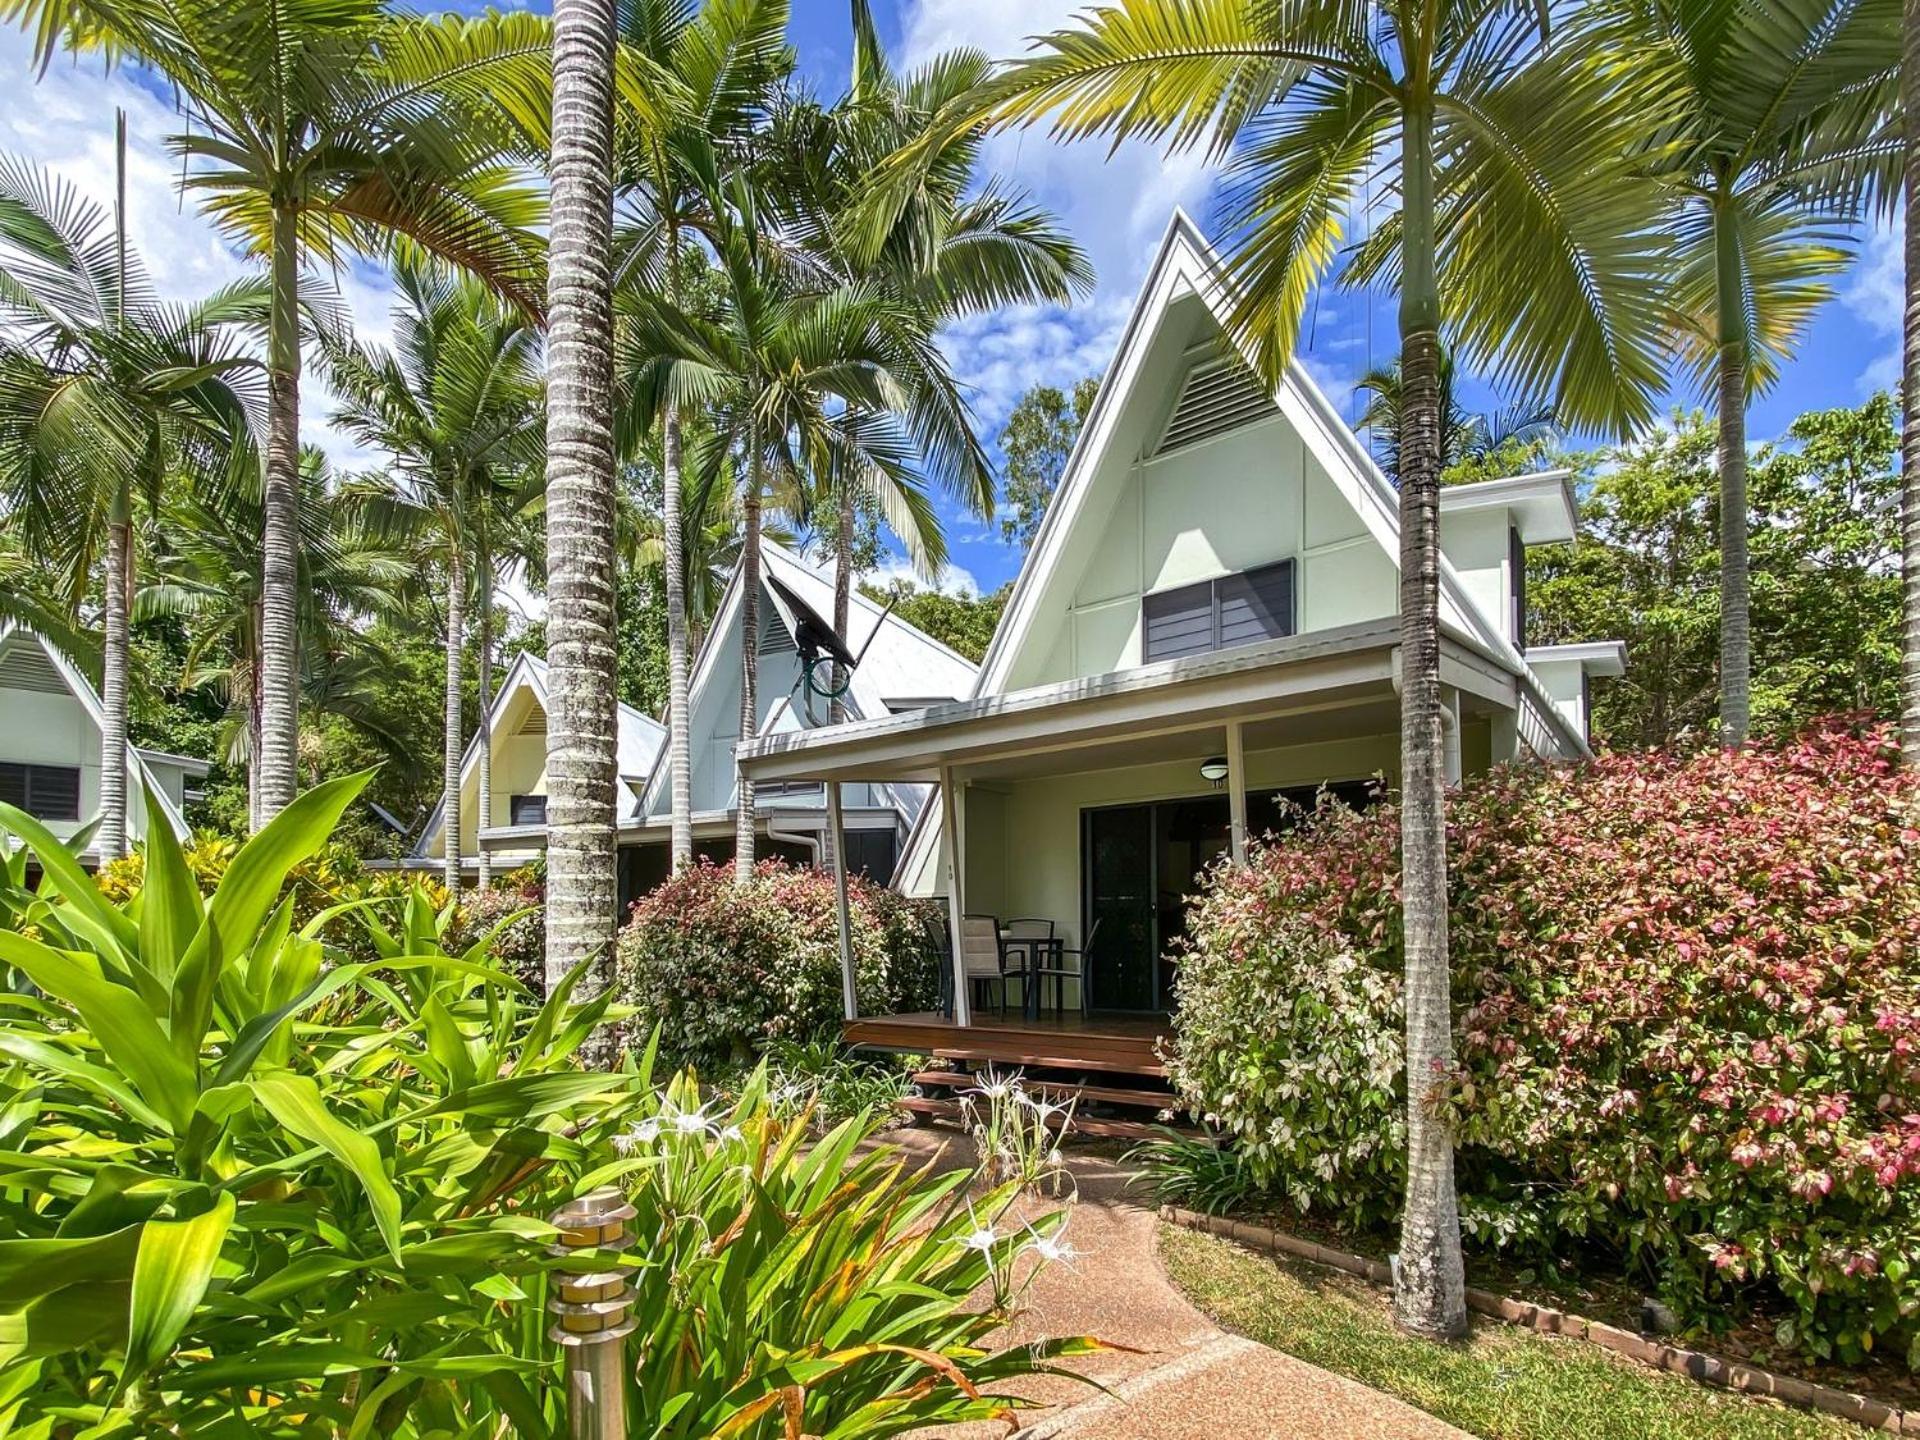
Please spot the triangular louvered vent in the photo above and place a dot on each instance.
(24, 666)
(774, 637)
(535, 723)
(1217, 397)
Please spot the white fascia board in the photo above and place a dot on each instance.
(1542, 504)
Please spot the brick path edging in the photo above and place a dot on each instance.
(1707, 1369)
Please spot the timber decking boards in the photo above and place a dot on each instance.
(1123, 1044)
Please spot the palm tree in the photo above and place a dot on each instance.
(727, 59)
(791, 354)
(322, 128)
(1509, 157)
(209, 571)
(1759, 243)
(582, 761)
(104, 395)
(1910, 395)
(954, 249)
(1465, 437)
(457, 406)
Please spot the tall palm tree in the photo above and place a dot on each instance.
(208, 570)
(790, 355)
(1509, 157)
(1910, 394)
(582, 760)
(105, 393)
(954, 249)
(456, 403)
(323, 126)
(727, 59)
(1759, 244)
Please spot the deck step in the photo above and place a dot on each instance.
(1086, 1060)
(1063, 1090)
(935, 1109)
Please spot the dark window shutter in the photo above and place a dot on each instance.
(527, 810)
(13, 784)
(1257, 605)
(1517, 562)
(1178, 622)
(54, 791)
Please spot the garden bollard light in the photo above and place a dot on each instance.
(595, 1316)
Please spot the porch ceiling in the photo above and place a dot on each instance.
(1318, 685)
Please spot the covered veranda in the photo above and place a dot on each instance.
(1090, 806)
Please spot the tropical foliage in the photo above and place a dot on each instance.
(1684, 992)
(723, 970)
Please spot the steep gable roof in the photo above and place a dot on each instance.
(639, 738)
(1184, 266)
(16, 641)
(896, 658)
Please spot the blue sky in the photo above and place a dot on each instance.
(1117, 206)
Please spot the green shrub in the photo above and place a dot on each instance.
(831, 1276)
(512, 912)
(246, 1191)
(1687, 995)
(723, 970)
(250, 1188)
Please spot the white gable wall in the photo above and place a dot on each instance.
(1478, 544)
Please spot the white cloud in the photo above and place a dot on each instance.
(1876, 292)
(64, 123)
(954, 580)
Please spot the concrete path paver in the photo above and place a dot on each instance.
(1174, 1374)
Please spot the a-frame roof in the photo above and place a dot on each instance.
(82, 690)
(1185, 265)
(898, 661)
(640, 738)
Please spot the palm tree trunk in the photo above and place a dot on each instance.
(278, 755)
(744, 814)
(581, 654)
(450, 737)
(1736, 636)
(1910, 409)
(679, 739)
(112, 839)
(1429, 1294)
(842, 616)
(484, 764)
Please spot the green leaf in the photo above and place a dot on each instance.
(170, 1276)
(118, 1019)
(38, 1267)
(64, 874)
(254, 879)
(171, 912)
(295, 1101)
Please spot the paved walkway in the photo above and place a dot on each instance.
(1181, 1377)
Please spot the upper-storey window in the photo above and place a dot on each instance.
(527, 810)
(46, 792)
(1217, 614)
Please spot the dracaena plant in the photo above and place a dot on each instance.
(787, 1285)
(243, 1186)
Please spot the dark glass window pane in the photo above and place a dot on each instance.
(13, 784)
(1178, 622)
(1256, 606)
(528, 810)
(871, 853)
(1517, 562)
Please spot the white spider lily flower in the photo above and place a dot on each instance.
(1055, 1248)
(982, 1237)
(995, 1086)
(644, 1132)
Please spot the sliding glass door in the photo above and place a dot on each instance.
(1138, 865)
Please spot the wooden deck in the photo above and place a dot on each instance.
(1122, 1044)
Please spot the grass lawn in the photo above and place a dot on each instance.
(1503, 1384)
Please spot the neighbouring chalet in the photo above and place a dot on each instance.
(901, 669)
(50, 736)
(1206, 624)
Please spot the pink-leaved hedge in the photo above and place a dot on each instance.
(723, 969)
(1687, 1000)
